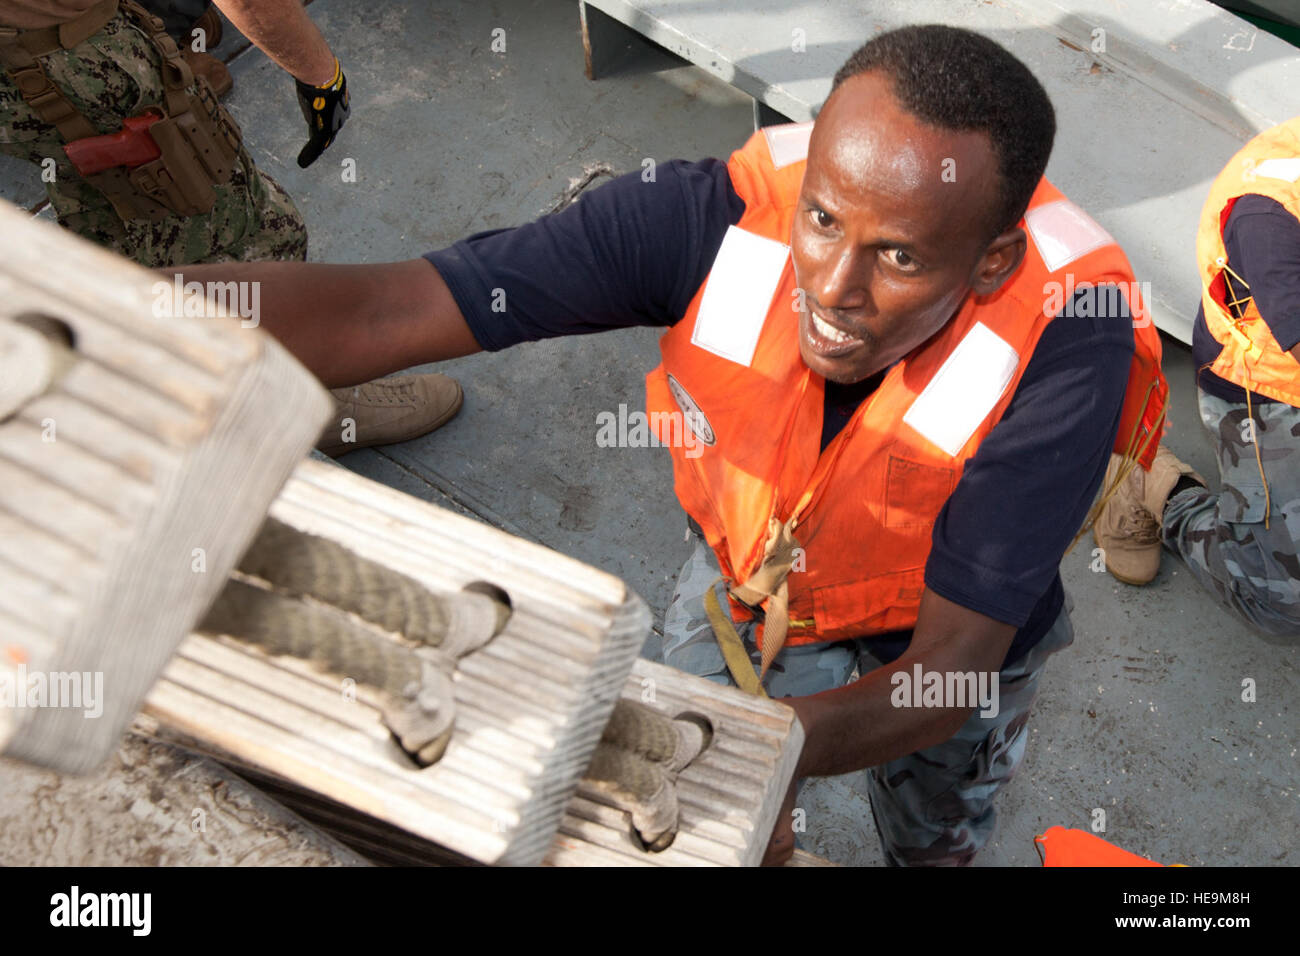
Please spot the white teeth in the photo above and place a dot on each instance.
(828, 331)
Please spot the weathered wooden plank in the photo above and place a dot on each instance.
(725, 819)
(152, 445)
(728, 798)
(531, 704)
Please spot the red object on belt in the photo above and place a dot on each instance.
(130, 146)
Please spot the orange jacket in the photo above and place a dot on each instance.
(865, 508)
(1062, 847)
(1269, 165)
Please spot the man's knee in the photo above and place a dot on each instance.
(1276, 619)
(920, 825)
(1268, 601)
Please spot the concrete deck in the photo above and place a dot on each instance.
(1143, 717)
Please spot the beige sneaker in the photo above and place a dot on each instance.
(388, 410)
(1128, 528)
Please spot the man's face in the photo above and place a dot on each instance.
(890, 232)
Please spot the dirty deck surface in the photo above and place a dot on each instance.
(1143, 717)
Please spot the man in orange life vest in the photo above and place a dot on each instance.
(897, 417)
(1242, 544)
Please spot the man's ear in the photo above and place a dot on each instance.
(1001, 258)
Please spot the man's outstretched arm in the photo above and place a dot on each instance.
(630, 253)
(283, 31)
(352, 323)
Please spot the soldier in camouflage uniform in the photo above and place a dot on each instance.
(1242, 544)
(75, 70)
(922, 816)
(114, 74)
(1252, 568)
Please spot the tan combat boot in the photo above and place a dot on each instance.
(388, 410)
(1128, 528)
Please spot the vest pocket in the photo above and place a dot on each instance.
(915, 493)
(883, 603)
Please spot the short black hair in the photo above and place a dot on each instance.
(959, 80)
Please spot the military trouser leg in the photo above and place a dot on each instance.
(932, 807)
(114, 74)
(1251, 569)
(935, 807)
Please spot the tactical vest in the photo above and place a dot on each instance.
(1269, 165)
(865, 508)
(195, 141)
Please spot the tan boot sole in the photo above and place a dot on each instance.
(1130, 581)
(1133, 582)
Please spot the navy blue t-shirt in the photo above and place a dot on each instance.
(634, 253)
(1263, 244)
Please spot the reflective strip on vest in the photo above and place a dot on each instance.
(738, 294)
(964, 390)
(1063, 233)
(1287, 170)
(788, 143)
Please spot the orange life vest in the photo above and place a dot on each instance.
(866, 507)
(1062, 847)
(1269, 165)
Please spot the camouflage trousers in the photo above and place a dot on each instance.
(931, 808)
(115, 74)
(1250, 568)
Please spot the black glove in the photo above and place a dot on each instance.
(325, 108)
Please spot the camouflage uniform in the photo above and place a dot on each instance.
(1252, 569)
(115, 74)
(932, 807)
